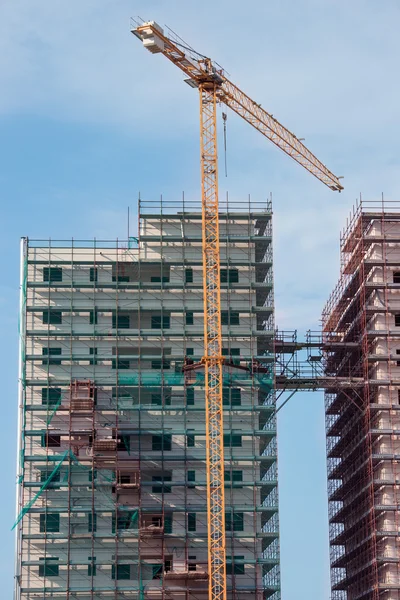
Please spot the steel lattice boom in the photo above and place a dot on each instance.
(214, 87)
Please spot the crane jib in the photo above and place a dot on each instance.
(205, 75)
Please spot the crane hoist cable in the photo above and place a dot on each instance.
(224, 119)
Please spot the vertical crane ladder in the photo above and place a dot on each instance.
(212, 342)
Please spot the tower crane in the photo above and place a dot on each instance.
(214, 87)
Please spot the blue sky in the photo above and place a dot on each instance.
(88, 120)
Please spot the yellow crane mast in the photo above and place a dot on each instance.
(215, 88)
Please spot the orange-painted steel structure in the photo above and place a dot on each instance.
(214, 87)
(212, 341)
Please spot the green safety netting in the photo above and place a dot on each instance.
(131, 241)
(134, 519)
(141, 586)
(155, 569)
(53, 412)
(196, 379)
(126, 441)
(131, 518)
(44, 486)
(75, 461)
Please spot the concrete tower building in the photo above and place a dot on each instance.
(362, 340)
(111, 465)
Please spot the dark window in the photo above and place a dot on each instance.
(92, 522)
(121, 363)
(191, 475)
(234, 522)
(157, 279)
(119, 274)
(188, 275)
(125, 520)
(232, 567)
(157, 489)
(93, 352)
(233, 276)
(91, 570)
(229, 276)
(178, 366)
(231, 396)
(93, 317)
(120, 321)
(234, 318)
(92, 475)
(157, 571)
(52, 317)
(191, 520)
(230, 353)
(93, 273)
(233, 476)
(51, 352)
(156, 322)
(49, 568)
(51, 396)
(49, 523)
(237, 476)
(50, 440)
(124, 479)
(189, 318)
(167, 565)
(160, 322)
(167, 524)
(121, 572)
(397, 320)
(229, 318)
(161, 479)
(189, 351)
(124, 443)
(236, 397)
(190, 396)
(192, 563)
(161, 442)
(396, 277)
(160, 364)
(190, 440)
(52, 274)
(232, 440)
(44, 476)
(156, 399)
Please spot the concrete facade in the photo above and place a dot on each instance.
(362, 339)
(112, 496)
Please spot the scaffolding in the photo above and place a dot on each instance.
(361, 340)
(112, 472)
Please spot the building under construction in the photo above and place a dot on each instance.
(361, 330)
(112, 496)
